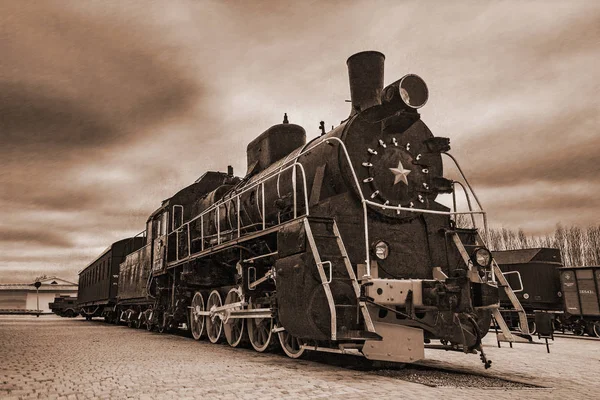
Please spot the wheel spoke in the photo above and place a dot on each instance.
(234, 328)
(259, 331)
(214, 326)
(291, 345)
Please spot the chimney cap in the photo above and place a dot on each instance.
(365, 53)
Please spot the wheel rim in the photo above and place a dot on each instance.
(260, 332)
(234, 328)
(291, 345)
(596, 328)
(196, 320)
(129, 319)
(214, 324)
(532, 328)
(164, 325)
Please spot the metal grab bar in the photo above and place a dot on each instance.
(424, 211)
(328, 263)
(518, 276)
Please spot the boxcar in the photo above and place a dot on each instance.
(581, 286)
(534, 276)
(98, 282)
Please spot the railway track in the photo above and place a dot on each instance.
(573, 336)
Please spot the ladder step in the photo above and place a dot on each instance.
(324, 236)
(332, 257)
(357, 335)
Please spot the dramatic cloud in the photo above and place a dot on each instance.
(107, 108)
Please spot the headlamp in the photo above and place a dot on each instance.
(410, 92)
(481, 257)
(381, 250)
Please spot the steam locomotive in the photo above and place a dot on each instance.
(337, 244)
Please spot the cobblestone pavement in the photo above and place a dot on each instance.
(51, 357)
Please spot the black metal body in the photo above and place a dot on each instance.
(397, 162)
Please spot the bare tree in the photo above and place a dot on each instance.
(578, 246)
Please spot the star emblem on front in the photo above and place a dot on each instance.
(400, 174)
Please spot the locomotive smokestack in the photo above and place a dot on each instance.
(365, 70)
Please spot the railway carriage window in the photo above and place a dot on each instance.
(155, 227)
(177, 216)
(164, 224)
(149, 232)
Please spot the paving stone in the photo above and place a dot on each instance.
(76, 359)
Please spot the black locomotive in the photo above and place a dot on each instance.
(337, 244)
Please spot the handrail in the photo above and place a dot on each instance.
(422, 210)
(462, 174)
(235, 198)
(254, 185)
(467, 197)
(295, 164)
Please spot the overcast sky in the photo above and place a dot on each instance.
(107, 108)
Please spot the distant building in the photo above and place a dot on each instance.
(22, 297)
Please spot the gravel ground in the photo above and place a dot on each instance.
(437, 378)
